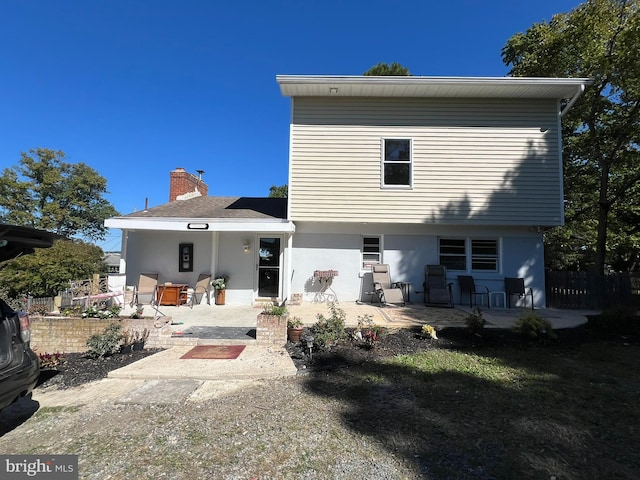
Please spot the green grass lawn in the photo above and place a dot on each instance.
(515, 412)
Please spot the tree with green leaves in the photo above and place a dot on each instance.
(279, 192)
(385, 69)
(47, 271)
(44, 191)
(600, 39)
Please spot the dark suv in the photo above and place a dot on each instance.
(19, 368)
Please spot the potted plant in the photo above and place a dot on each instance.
(220, 285)
(294, 329)
(139, 339)
(127, 341)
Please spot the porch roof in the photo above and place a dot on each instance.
(231, 214)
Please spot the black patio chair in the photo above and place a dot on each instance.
(468, 287)
(437, 292)
(515, 286)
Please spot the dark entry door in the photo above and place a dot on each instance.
(269, 267)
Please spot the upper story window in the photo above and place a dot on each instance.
(371, 251)
(469, 254)
(396, 162)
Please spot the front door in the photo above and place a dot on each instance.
(269, 267)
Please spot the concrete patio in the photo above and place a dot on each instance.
(413, 315)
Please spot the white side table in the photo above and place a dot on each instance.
(498, 295)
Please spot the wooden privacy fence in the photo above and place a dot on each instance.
(587, 290)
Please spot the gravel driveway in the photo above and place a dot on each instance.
(250, 430)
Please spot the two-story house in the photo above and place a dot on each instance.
(407, 171)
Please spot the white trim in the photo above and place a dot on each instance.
(416, 86)
(383, 161)
(213, 224)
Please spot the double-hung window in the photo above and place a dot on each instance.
(470, 254)
(371, 251)
(396, 162)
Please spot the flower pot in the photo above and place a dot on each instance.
(294, 334)
(125, 348)
(137, 346)
(220, 297)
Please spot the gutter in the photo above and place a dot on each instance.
(573, 100)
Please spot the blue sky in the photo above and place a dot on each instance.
(136, 88)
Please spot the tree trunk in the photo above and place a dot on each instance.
(604, 206)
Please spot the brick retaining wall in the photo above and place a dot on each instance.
(272, 329)
(70, 334)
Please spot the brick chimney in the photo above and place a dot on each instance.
(184, 185)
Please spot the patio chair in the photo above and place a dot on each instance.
(203, 287)
(468, 287)
(387, 292)
(437, 292)
(515, 286)
(145, 290)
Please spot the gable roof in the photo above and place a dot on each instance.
(210, 213)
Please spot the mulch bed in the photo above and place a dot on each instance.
(78, 369)
(348, 352)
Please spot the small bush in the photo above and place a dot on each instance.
(294, 322)
(368, 332)
(475, 323)
(429, 331)
(619, 319)
(95, 312)
(49, 361)
(329, 330)
(38, 309)
(74, 311)
(271, 309)
(105, 343)
(534, 327)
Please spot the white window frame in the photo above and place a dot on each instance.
(384, 161)
(366, 264)
(470, 257)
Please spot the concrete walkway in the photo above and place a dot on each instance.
(166, 378)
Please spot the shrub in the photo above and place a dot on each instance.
(534, 327)
(95, 312)
(475, 322)
(329, 330)
(367, 331)
(271, 309)
(618, 319)
(74, 311)
(49, 361)
(105, 343)
(294, 322)
(38, 309)
(429, 331)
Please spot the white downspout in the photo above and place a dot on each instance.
(573, 100)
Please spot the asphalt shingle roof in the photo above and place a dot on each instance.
(219, 207)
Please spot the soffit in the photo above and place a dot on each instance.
(441, 87)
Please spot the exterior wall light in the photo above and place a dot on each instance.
(246, 246)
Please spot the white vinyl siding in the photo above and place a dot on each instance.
(474, 161)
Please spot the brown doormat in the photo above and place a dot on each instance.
(213, 352)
